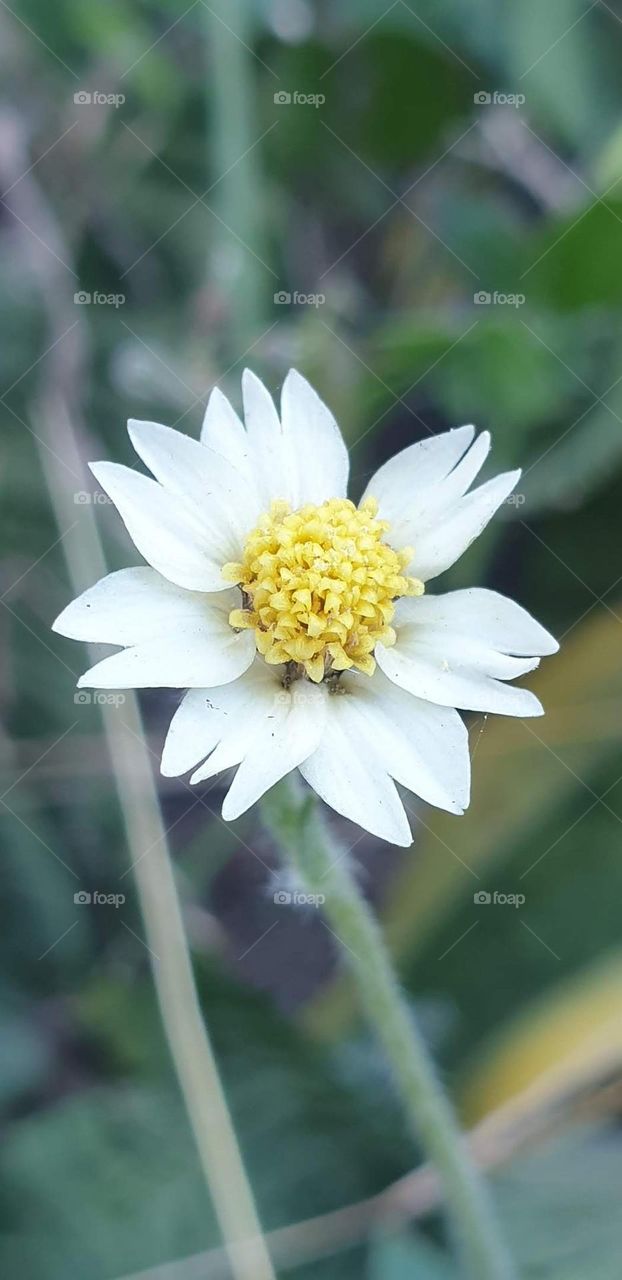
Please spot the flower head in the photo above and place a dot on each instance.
(300, 623)
(320, 586)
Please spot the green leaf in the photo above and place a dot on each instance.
(562, 56)
(107, 1182)
(575, 261)
(560, 1206)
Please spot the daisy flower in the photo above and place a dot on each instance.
(300, 624)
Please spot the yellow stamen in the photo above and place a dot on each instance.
(321, 585)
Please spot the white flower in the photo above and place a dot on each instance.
(324, 654)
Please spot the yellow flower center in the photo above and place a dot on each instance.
(320, 585)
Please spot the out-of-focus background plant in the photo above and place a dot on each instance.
(419, 206)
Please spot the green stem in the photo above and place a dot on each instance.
(237, 253)
(299, 829)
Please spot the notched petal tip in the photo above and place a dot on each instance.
(250, 379)
(138, 424)
(232, 810)
(218, 407)
(167, 769)
(295, 381)
(60, 623)
(68, 623)
(101, 470)
(456, 807)
(547, 644)
(144, 433)
(531, 707)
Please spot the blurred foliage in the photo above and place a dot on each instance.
(398, 201)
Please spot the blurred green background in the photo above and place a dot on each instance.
(419, 206)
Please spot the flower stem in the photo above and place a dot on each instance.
(187, 1035)
(301, 832)
(186, 1032)
(197, 1069)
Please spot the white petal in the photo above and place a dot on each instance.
(221, 499)
(136, 604)
(454, 667)
(351, 777)
(224, 433)
(319, 455)
(422, 492)
(462, 687)
(163, 529)
(266, 729)
(423, 746)
(403, 482)
(453, 529)
(441, 496)
(271, 454)
(258, 688)
(195, 654)
(483, 615)
(301, 456)
(197, 726)
(283, 739)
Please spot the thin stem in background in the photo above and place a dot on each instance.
(236, 265)
(61, 460)
(294, 818)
